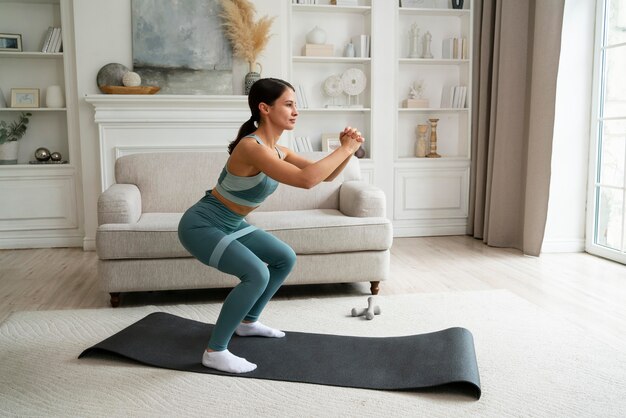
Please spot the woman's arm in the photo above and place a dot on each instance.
(307, 176)
(338, 169)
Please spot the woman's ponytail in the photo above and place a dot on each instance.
(265, 90)
(246, 129)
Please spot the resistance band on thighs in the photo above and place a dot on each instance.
(225, 241)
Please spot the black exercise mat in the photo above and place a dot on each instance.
(392, 363)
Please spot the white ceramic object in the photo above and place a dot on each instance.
(332, 86)
(131, 79)
(316, 36)
(349, 51)
(353, 81)
(55, 97)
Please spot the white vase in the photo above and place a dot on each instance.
(54, 97)
(316, 36)
(8, 152)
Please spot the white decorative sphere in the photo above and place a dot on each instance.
(316, 36)
(131, 79)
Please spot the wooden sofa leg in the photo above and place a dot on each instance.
(374, 287)
(115, 299)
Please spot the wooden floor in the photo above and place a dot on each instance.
(586, 290)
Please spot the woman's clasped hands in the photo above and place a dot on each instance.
(351, 138)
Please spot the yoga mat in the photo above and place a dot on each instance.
(391, 363)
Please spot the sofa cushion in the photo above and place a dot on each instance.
(155, 235)
(316, 231)
(322, 231)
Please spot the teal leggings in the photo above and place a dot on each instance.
(221, 238)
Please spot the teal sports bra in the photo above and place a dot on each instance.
(247, 191)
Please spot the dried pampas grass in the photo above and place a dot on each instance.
(248, 38)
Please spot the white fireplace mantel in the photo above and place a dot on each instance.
(130, 124)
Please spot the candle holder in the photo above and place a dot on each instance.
(433, 139)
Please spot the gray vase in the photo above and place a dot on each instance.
(251, 78)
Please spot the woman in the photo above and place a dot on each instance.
(214, 230)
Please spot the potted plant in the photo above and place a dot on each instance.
(10, 134)
(247, 37)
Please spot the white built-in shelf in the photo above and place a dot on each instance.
(26, 168)
(333, 109)
(432, 109)
(31, 1)
(434, 12)
(325, 8)
(349, 60)
(31, 109)
(433, 61)
(5, 54)
(426, 161)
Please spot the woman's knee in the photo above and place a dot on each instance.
(285, 259)
(256, 275)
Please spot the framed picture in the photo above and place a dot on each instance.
(24, 97)
(10, 42)
(330, 142)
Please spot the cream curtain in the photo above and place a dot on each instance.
(516, 57)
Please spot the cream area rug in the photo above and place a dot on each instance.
(531, 364)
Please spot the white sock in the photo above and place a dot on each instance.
(226, 362)
(257, 329)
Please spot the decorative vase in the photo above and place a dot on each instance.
(349, 51)
(420, 144)
(457, 4)
(433, 139)
(251, 78)
(54, 97)
(316, 36)
(8, 152)
(360, 153)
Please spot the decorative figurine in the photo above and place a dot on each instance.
(414, 32)
(415, 100)
(427, 38)
(42, 154)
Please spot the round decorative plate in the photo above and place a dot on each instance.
(353, 81)
(332, 86)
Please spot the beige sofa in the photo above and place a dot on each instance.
(338, 229)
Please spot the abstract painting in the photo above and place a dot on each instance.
(179, 46)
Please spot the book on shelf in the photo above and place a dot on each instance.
(301, 99)
(344, 2)
(361, 45)
(53, 40)
(453, 97)
(46, 39)
(302, 144)
(454, 48)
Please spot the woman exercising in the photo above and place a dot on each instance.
(214, 231)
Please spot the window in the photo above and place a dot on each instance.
(606, 231)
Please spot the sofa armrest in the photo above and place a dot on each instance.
(360, 199)
(119, 204)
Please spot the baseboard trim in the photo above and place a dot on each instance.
(40, 242)
(89, 244)
(428, 231)
(575, 245)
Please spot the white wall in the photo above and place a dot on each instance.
(565, 228)
(103, 35)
